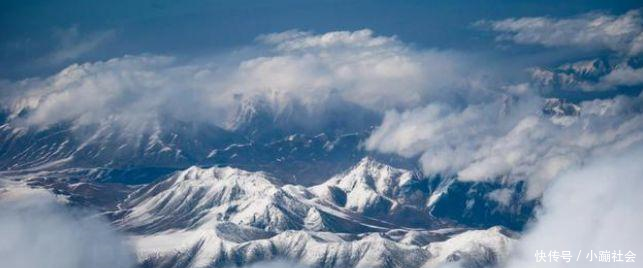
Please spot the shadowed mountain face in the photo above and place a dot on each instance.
(140, 154)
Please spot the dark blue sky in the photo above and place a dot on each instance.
(31, 30)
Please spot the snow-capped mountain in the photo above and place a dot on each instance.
(168, 143)
(197, 197)
(141, 155)
(226, 216)
(215, 248)
(571, 76)
(270, 195)
(370, 182)
(377, 190)
(585, 75)
(559, 108)
(194, 196)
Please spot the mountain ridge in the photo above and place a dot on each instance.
(219, 216)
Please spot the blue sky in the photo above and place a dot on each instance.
(33, 33)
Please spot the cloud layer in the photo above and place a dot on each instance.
(286, 71)
(595, 207)
(38, 231)
(441, 106)
(623, 34)
(510, 139)
(520, 136)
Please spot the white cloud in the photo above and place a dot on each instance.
(595, 207)
(501, 196)
(623, 76)
(297, 40)
(450, 117)
(291, 69)
(622, 33)
(73, 44)
(509, 139)
(445, 136)
(38, 231)
(133, 89)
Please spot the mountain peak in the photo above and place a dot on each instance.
(586, 67)
(374, 175)
(373, 188)
(196, 196)
(560, 107)
(206, 209)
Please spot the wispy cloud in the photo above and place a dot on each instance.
(73, 44)
(623, 33)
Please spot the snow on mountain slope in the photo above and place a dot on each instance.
(592, 75)
(110, 144)
(368, 183)
(475, 248)
(377, 190)
(572, 75)
(207, 248)
(226, 216)
(158, 148)
(560, 111)
(196, 196)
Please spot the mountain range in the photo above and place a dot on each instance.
(198, 195)
(372, 215)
